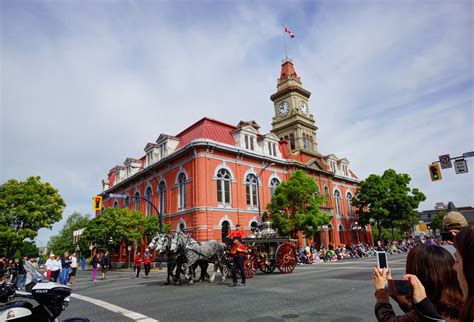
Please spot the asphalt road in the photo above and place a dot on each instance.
(336, 291)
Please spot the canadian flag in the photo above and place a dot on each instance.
(289, 33)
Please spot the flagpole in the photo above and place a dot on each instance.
(284, 42)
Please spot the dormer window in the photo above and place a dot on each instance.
(272, 149)
(163, 151)
(149, 157)
(249, 142)
(333, 166)
(129, 171)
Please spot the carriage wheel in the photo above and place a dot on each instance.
(250, 265)
(286, 258)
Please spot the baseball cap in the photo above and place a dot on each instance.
(454, 220)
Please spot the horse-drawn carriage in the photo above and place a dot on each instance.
(267, 251)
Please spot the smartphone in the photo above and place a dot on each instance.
(382, 261)
(447, 236)
(399, 287)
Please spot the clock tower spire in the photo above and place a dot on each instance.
(293, 121)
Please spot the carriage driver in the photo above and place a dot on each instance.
(238, 252)
(236, 233)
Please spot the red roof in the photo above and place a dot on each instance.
(207, 128)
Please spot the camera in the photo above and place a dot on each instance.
(398, 287)
(447, 236)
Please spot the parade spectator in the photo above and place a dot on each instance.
(147, 261)
(65, 265)
(238, 252)
(429, 267)
(464, 267)
(48, 265)
(138, 263)
(95, 263)
(72, 276)
(21, 273)
(453, 222)
(236, 233)
(55, 268)
(104, 263)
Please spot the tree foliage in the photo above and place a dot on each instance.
(64, 242)
(295, 206)
(120, 224)
(26, 207)
(437, 221)
(388, 201)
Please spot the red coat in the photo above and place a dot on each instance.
(146, 258)
(236, 233)
(238, 249)
(138, 260)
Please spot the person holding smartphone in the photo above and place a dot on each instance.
(433, 294)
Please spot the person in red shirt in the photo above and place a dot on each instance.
(236, 233)
(138, 263)
(147, 261)
(238, 252)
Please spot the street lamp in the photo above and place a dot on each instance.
(111, 243)
(129, 248)
(356, 227)
(258, 189)
(160, 215)
(324, 227)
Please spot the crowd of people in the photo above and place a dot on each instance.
(13, 270)
(442, 285)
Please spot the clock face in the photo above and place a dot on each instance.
(283, 108)
(303, 107)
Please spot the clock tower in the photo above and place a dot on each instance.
(293, 121)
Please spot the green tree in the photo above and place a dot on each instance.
(122, 224)
(388, 201)
(151, 226)
(295, 206)
(26, 207)
(64, 242)
(437, 221)
(27, 248)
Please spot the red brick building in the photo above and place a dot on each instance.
(205, 178)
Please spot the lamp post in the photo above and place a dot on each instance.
(129, 248)
(324, 227)
(356, 229)
(258, 188)
(160, 215)
(111, 243)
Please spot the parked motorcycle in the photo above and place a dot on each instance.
(41, 301)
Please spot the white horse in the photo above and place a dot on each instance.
(209, 251)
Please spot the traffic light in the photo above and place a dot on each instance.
(435, 172)
(97, 203)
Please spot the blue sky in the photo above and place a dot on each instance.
(86, 84)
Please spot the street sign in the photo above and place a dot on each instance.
(460, 166)
(468, 154)
(445, 161)
(117, 195)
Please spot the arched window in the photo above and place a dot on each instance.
(148, 195)
(136, 199)
(273, 184)
(251, 190)
(181, 225)
(225, 229)
(126, 202)
(253, 226)
(115, 204)
(341, 234)
(162, 191)
(181, 191)
(305, 146)
(349, 205)
(337, 198)
(326, 196)
(292, 141)
(330, 236)
(223, 187)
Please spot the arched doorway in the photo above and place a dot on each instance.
(225, 229)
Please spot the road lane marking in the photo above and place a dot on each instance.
(116, 309)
